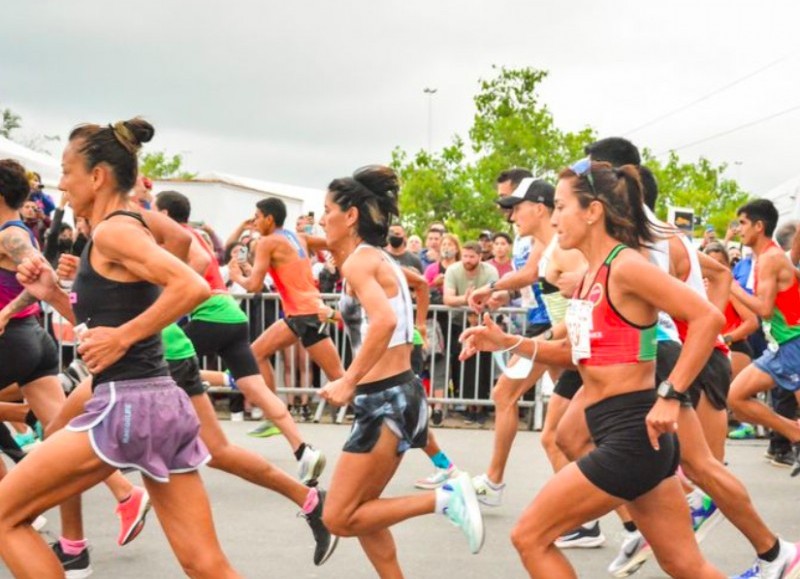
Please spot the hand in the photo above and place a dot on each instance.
(38, 277)
(498, 300)
(423, 333)
(234, 269)
(100, 347)
(479, 298)
(67, 266)
(324, 313)
(662, 419)
(4, 319)
(486, 338)
(338, 392)
(438, 280)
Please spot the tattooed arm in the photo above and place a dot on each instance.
(15, 244)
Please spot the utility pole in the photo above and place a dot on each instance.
(430, 92)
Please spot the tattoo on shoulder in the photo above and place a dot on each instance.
(16, 244)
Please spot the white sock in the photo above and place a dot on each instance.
(695, 498)
(442, 499)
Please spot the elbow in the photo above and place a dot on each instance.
(198, 291)
(717, 320)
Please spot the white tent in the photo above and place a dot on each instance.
(48, 167)
(223, 200)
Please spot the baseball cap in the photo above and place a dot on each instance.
(530, 189)
(485, 234)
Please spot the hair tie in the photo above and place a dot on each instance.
(125, 137)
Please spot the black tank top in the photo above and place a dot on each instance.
(99, 301)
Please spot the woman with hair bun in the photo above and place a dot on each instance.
(390, 405)
(611, 323)
(126, 291)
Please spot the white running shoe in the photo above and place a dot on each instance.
(463, 510)
(584, 537)
(786, 566)
(310, 465)
(438, 478)
(489, 493)
(633, 553)
(38, 523)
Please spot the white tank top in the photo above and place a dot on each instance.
(355, 318)
(658, 255)
(554, 302)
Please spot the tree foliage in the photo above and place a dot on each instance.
(513, 128)
(701, 186)
(158, 165)
(10, 122)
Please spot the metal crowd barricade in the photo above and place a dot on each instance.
(451, 384)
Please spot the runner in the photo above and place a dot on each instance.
(390, 406)
(599, 211)
(219, 327)
(117, 295)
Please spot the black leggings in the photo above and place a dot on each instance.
(229, 341)
(27, 353)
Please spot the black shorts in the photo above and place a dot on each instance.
(624, 464)
(308, 328)
(27, 353)
(534, 330)
(714, 379)
(186, 374)
(400, 403)
(743, 347)
(568, 384)
(231, 342)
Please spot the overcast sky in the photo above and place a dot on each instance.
(302, 92)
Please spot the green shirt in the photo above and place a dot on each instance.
(221, 309)
(176, 345)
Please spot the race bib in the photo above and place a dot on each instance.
(579, 328)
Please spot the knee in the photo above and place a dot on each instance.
(337, 522)
(501, 396)
(548, 440)
(525, 539)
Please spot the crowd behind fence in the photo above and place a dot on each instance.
(450, 383)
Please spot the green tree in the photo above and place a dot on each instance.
(10, 122)
(513, 128)
(158, 165)
(701, 186)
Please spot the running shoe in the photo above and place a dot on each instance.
(132, 513)
(796, 465)
(633, 553)
(437, 416)
(463, 510)
(744, 431)
(256, 414)
(784, 459)
(237, 416)
(310, 465)
(584, 537)
(489, 493)
(786, 566)
(326, 543)
(24, 439)
(305, 411)
(75, 566)
(705, 517)
(438, 478)
(264, 430)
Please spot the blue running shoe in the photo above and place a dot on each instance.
(704, 517)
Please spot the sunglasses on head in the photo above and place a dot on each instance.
(583, 168)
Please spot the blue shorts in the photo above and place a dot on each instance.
(783, 366)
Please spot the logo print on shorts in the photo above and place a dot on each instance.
(127, 416)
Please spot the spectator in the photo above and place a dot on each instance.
(397, 248)
(83, 230)
(42, 199)
(142, 193)
(415, 245)
(434, 273)
(35, 220)
(709, 236)
(487, 245)
(460, 280)
(501, 261)
(433, 242)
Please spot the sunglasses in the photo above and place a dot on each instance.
(583, 168)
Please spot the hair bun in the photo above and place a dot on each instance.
(132, 133)
(379, 179)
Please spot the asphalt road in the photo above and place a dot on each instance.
(263, 538)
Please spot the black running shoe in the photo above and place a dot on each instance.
(796, 465)
(75, 566)
(326, 543)
(437, 417)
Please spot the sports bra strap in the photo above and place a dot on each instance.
(614, 253)
(137, 216)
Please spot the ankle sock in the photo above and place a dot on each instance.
(440, 460)
(71, 547)
(442, 499)
(630, 526)
(772, 554)
(312, 500)
(298, 454)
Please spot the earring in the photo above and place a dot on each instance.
(589, 221)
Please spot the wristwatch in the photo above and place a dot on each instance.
(491, 285)
(727, 339)
(667, 390)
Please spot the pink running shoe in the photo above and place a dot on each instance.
(132, 512)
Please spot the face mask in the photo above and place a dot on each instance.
(64, 245)
(396, 241)
(520, 369)
(448, 254)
